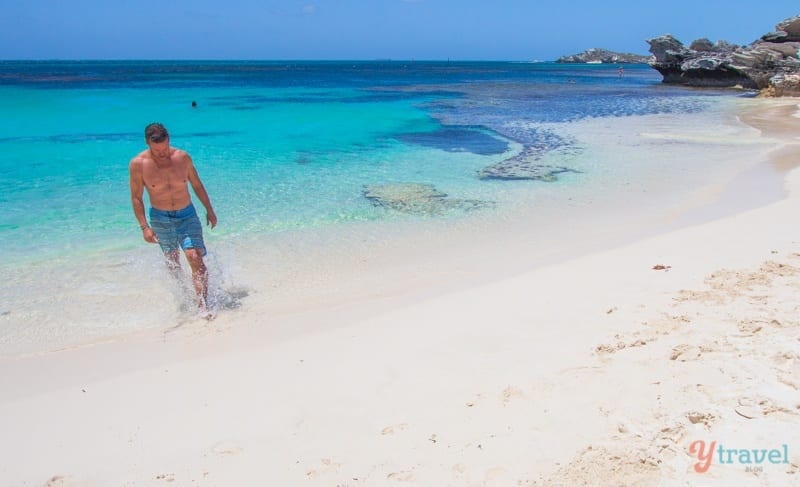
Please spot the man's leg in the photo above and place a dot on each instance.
(174, 262)
(199, 277)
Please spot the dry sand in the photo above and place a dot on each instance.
(601, 370)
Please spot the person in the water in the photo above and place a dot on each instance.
(165, 171)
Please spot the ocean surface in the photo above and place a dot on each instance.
(287, 149)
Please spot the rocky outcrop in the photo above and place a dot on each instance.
(418, 198)
(527, 164)
(769, 64)
(603, 56)
(522, 169)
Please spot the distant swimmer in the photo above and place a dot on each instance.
(165, 171)
(620, 71)
(194, 104)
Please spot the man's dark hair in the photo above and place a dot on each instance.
(155, 132)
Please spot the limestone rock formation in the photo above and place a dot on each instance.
(521, 168)
(769, 64)
(603, 56)
(418, 198)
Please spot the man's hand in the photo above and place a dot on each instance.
(149, 235)
(211, 218)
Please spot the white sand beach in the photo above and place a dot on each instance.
(601, 367)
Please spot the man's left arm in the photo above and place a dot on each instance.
(200, 191)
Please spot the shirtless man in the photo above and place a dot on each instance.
(164, 172)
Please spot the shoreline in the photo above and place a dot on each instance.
(404, 261)
(502, 378)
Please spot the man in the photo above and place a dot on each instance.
(174, 223)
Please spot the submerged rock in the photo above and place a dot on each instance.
(523, 168)
(418, 198)
(453, 138)
(769, 64)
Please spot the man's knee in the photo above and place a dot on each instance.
(195, 258)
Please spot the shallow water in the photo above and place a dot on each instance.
(286, 150)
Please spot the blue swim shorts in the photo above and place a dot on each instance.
(179, 228)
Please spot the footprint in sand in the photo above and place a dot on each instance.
(708, 297)
(706, 419)
(620, 345)
(788, 365)
(778, 324)
(404, 476)
(327, 466)
(679, 319)
(758, 407)
(750, 327)
(478, 398)
(786, 357)
(510, 393)
(226, 448)
(65, 481)
(685, 352)
(671, 435)
(60, 481)
(778, 269)
(390, 430)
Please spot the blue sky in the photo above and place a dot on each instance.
(367, 29)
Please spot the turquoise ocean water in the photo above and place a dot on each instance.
(280, 146)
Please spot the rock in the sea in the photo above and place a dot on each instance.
(521, 168)
(603, 56)
(768, 64)
(418, 198)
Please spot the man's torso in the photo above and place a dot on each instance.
(166, 181)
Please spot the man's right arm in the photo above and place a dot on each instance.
(137, 193)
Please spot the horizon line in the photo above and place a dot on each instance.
(343, 60)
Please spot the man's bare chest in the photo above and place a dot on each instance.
(164, 176)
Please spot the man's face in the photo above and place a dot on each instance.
(160, 150)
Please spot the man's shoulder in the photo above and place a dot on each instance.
(180, 156)
(140, 159)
